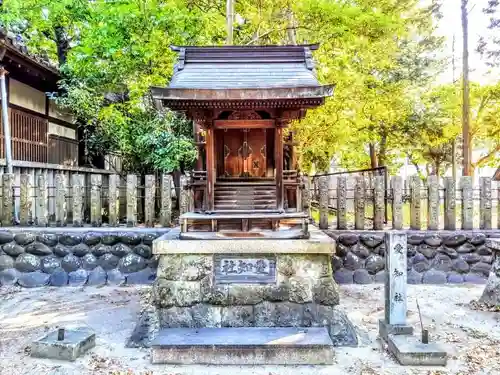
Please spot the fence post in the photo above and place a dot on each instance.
(415, 203)
(467, 202)
(433, 203)
(77, 193)
(378, 203)
(114, 199)
(306, 195)
(184, 195)
(341, 203)
(166, 200)
(41, 201)
(25, 199)
(8, 198)
(149, 200)
(450, 204)
(397, 202)
(323, 202)
(359, 203)
(95, 200)
(131, 200)
(485, 203)
(61, 214)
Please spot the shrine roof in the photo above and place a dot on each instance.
(243, 73)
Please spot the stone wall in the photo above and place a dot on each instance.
(305, 294)
(34, 258)
(433, 257)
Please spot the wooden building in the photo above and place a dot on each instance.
(241, 100)
(41, 132)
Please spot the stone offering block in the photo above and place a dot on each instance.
(243, 346)
(75, 343)
(244, 270)
(409, 351)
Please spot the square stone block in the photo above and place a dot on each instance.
(409, 351)
(386, 329)
(75, 343)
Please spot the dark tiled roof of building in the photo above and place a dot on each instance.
(240, 67)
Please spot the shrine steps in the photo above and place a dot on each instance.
(244, 195)
(243, 346)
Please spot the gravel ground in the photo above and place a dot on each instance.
(472, 338)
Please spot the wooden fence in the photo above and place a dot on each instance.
(355, 203)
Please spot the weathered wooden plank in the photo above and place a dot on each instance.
(41, 201)
(77, 195)
(25, 199)
(450, 204)
(166, 200)
(342, 203)
(149, 200)
(114, 199)
(415, 203)
(433, 203)
(61, 193)
(95, 200)
(8, 198)
(467, 202)
(323, 202)
(131, 200)
(378, 203)
(485, 206)
(397, 202)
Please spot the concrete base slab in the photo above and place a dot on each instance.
(75, 343)
(409, 351)
(385, 329)
(243, 346)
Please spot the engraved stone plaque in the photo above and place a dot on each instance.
(236, 269)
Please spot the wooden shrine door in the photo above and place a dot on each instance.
(244, 152)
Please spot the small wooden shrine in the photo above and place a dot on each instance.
(241, 100)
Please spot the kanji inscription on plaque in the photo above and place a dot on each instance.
(249, 270)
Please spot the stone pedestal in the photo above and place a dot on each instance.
(221, 284)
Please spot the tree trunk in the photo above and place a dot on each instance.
(62, 44)
(467, 152)
(373, 156)
(382, 151)
(291, 28)
(229, 21)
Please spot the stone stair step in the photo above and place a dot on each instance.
(243, 346)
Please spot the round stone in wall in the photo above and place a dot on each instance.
(353, 262)
(97, 277)
(69, 239)
(49, 239)
(91, 239)
(38, 248)
(415, 239)
(441, 262)
(109, 239)
(50, 263)
(478, 239)
(89, 262)
(6, 237)
(9, 277)
(379, 278)
(374, 263)
(108, 261)
(148, 238)
(362, 276)
(411, 250)
(413, 277)
(454, 278)
(33, 279)
(471, 258)
(6, 262)
(341, 250)
(27, 263)
(143, 250)
(115, 277)
(101, 249)
(455, 240)
(434, 277)
(120, 250)
(59, 277)
(360, 250)
(371, 240)
(344, 276)
(448, 251)
(61, 250)
(130, 238)
(145, 276)
(13, 249)
(428, 251)
(474, 278)
(481, 250)
(24, 238)
(466, 248)
(337, 263)
(348, 239)
(71, 263)
(131, 263)
(80, 250)
(461, 265)
(481, 268)
(78, 277)
(433, 240)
